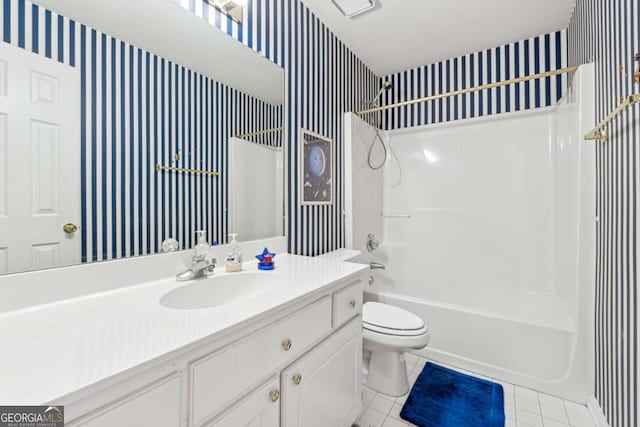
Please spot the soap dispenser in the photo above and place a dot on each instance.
(201, 249)
(234, 258)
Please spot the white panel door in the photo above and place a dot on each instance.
(324, 387)
(260, 409)
(39, 161)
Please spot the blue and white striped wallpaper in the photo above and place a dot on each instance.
(138, 109)
(607, 32)
(535, 55)
(263, 29)
(324, 79)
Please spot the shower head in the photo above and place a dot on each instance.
(387, 85)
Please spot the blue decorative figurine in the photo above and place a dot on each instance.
(265, 260)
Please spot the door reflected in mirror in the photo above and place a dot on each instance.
(256, 182)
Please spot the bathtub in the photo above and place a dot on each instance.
(512, 349)
(526, 353)
(530, 340)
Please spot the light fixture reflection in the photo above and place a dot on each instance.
(431, 158)
(231, 8)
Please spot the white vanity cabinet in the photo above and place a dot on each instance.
(322, 388)
(298, 367)
(221, 377)
(157, 405)
(259, 409)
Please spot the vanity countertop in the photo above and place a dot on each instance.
(53, 350)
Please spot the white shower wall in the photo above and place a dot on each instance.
(363, 195)
(480, 198)
(488, 235)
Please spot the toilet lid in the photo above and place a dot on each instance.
(390, 317)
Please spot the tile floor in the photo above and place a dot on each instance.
(522, 407)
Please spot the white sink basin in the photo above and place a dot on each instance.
(220, 290)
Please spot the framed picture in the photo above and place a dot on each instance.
(316, 169)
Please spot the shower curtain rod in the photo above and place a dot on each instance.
(260, 132)
(472, 89)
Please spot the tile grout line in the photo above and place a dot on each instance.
(540, 408)
(566, 411)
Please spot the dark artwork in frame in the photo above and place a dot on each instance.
(316, 169)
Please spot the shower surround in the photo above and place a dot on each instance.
(487, 232)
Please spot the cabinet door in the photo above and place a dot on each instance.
(323, 388)
(260, 409)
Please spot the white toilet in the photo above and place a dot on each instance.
(388, 333)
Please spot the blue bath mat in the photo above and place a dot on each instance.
(442, 397)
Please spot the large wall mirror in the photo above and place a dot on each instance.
(126, 123)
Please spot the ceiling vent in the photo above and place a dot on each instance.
(352, 8)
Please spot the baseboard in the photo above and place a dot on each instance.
(596, 412)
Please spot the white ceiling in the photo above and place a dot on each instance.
(166, 29)
(404, 34)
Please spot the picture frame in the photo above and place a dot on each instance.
(315, 169)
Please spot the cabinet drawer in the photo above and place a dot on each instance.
(261, 408)
(219, 378)
(347, 303)
(158, 405)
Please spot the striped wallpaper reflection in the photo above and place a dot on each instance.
(608, 32)
(139, 110)
(324, 79)
(535, 55)
(263, 29)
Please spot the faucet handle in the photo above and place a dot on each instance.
(372, 243)
(212, 265)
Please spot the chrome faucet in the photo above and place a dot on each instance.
(199, 268)
(377, 266)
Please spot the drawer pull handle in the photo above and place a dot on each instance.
(296, 379)
(286, 344)
(353, 303)
(274, 395)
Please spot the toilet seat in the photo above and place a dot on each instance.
(395, 332)
(390, 320)
(374, 339)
